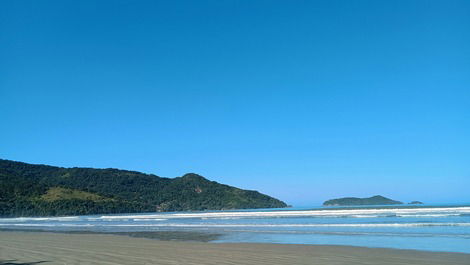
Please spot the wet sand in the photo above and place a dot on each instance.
(56, 248)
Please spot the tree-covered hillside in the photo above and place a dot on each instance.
(351, 201)
(33, 190)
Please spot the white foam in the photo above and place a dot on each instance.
(50, 225)
(27, 219)
(364, 216)
(304, 213)
(290, 225)
(428, 215)
(149, 219)
(220, 218)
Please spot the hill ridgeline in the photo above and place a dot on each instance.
(41, 190)
(351, 201)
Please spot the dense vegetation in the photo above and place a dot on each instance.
(349, 201)
(33, 190)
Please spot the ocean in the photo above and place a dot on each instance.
(427, 227)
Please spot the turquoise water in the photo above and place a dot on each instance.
(434, 228)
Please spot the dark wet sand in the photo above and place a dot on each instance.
(56, 248)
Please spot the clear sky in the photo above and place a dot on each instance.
(302, 100)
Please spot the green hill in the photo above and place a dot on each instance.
(40, 190)
(350, 201)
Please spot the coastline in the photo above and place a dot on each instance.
(26, 247)
(187, 236)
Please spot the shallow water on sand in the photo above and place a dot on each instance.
(435, 228)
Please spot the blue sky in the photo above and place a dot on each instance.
(302, 100)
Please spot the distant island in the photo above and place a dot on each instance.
(415, 202)
(351, 201)
(41, 190)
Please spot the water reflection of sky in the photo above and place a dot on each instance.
(425, 228)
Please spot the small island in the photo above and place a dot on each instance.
(415, 202)
(352, 201)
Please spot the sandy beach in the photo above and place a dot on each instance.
(56, 248)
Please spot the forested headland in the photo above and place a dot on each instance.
(42, 190)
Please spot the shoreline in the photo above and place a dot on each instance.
(27, 247)
(198, 236)
(184, 236)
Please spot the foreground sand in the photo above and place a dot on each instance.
(54, 248)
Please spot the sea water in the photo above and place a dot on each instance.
(432, 228)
